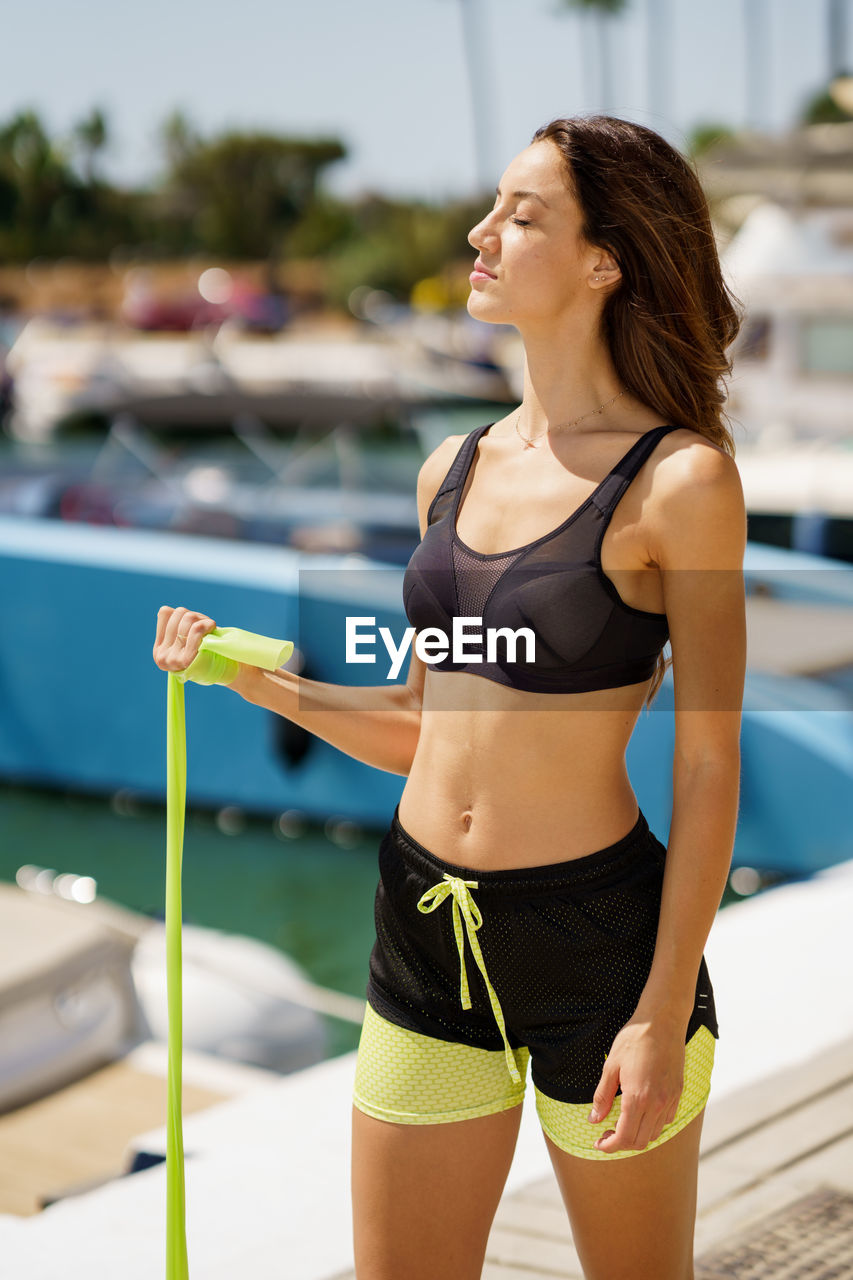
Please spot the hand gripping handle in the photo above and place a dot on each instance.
(224, 648)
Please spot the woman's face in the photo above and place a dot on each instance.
(541, 268)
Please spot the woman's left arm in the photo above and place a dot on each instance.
(697, 541)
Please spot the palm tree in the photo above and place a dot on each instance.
(482, 113)
(474, 34)
(658, 59)
(90, 136)
(834, 103)
(599, 11)
(838, 31)
(755, 42)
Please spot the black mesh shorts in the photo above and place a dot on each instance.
(565, 952)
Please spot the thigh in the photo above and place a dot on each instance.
(632, 1212)
(434, 1129)
(634, 1219)
(424, 1196)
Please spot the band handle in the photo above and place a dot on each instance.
(224, 648)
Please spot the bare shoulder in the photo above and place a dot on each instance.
(691, 466)
(698, 509)
(686, 456)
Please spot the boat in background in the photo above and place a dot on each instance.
(349, 487)
(792, 383)
(799, 493)
(208, 378)
(797, 739)
(312, 440)
(83, 983)
(793, 358)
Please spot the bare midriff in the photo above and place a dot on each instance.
(504, 778)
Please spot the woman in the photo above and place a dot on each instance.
(525, 912)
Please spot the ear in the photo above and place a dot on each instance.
(605, 271)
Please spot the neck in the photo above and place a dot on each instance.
(567, 373)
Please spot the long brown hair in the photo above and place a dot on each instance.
(671, 318)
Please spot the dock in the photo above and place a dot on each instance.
(267, 1171)
(77, 1138)
(775, 1187)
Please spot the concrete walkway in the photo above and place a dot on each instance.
(765, 1149)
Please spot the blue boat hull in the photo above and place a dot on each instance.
(84, 707)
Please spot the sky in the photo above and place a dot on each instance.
(389, 77)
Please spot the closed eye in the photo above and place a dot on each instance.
(521, 222)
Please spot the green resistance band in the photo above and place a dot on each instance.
(217, 662)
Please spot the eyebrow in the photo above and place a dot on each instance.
(520, 194)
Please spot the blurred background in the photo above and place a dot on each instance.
(233, 281)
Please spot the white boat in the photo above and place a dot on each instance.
(793, 358)
(83, 982)
(213, 376)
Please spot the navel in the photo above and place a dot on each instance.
(467, 819)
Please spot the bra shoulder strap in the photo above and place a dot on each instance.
(625, 470)
(456, 475)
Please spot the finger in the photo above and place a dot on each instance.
(180, 632)
(186, 627)
(164, 613)
(660, 1112)
(167, 625)
(180, 647)
(195, 632)
(670, 1106)
(650, 1129)
(175, 627)
(646, 1127)
(605, 1093)
(671, 1112)
(623, 1137)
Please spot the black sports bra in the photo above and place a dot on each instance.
(586, 636)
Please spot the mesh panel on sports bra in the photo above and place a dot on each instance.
(475, 579)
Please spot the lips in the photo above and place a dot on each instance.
(479, 266)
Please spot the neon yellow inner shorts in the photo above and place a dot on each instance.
(559, 955)
(405, 1077)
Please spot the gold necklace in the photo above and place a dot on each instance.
(529, 442)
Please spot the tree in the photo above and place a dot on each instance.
(829, 106)
(658, 58)
(242, 193)
(600, 12)
(179, 138)
(89, 137)
(37, 188)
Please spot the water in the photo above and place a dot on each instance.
(305, 895)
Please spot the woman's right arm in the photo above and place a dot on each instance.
(379, 725)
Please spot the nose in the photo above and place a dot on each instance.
(480, 233)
